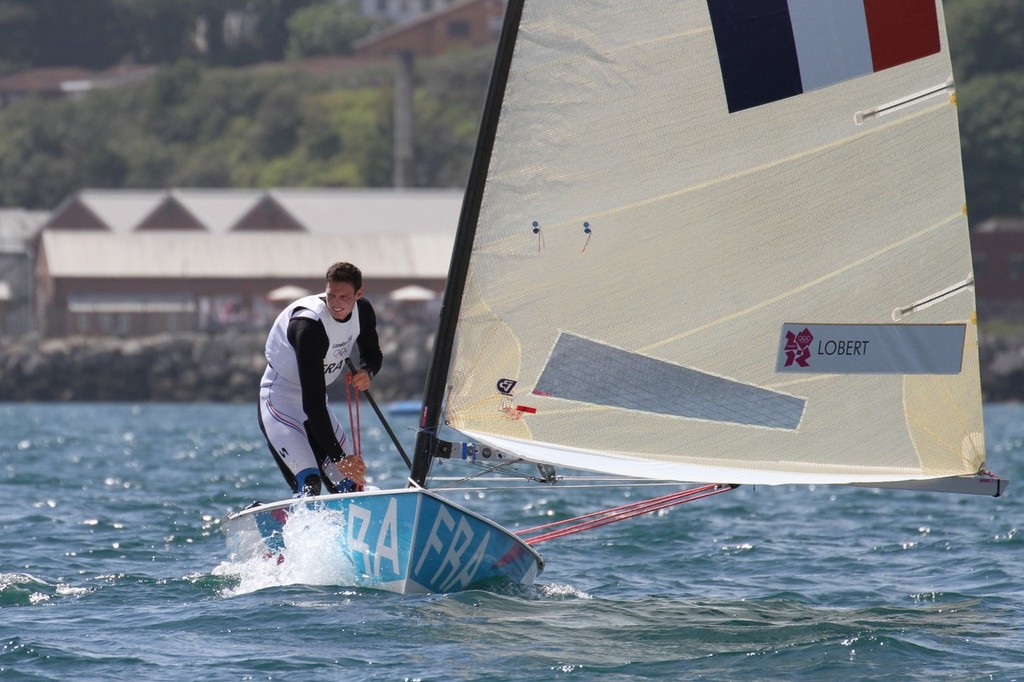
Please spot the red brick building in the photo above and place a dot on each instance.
(998, 247)
(475, 23)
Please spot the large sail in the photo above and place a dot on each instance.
(724, 241)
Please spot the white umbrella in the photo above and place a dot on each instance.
(288, 292)
(413, 292)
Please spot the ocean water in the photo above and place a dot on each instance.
(113, 567)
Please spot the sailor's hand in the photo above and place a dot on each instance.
(353, 468)
(360, 380)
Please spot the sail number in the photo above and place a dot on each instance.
(452, 554)
(449, 558)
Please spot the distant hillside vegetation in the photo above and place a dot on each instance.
(191, 126)
(200, 124)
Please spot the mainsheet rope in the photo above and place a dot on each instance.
(352, 397)
(604, 517)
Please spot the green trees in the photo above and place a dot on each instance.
(327, 29)
(986, 39)
(190, 126)
(196, 124)
(50, 33)
(101, 33)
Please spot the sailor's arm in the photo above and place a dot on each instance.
(370, 354)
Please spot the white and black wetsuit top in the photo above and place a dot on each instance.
(307, 348)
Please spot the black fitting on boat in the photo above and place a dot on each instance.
(443, 449)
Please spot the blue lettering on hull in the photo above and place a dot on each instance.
(396, 539)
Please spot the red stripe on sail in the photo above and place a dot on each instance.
(901, 31)
(528, 410)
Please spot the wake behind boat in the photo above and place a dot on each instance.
(704, 241)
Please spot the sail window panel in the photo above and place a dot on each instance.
(591, 372)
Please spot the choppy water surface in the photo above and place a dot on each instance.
(112, 566)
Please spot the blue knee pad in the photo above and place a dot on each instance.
(308, 482)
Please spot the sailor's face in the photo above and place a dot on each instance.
(341, 299)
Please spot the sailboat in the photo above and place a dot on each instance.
(708, 241)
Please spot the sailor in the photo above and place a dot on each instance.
(306, 350)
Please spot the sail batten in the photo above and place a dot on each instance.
(662, 240)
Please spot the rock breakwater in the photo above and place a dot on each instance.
(187, 367)
(226, 367)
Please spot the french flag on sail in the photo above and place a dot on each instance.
(774, 49)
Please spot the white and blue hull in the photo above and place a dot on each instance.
(406, 541)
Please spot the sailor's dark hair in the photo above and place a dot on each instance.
(345, 272)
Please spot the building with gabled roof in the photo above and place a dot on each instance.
(142, 262)
(106, 210)
(18, 229)
(268, 214)
(227, 210)
(169, 214)
(997, 247)
(68, 81)
(447, 25)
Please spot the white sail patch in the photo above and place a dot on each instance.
(595, 373)
(871, 348)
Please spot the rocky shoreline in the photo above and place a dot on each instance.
(226, 367)
(187, 367)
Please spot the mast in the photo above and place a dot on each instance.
(437, 373)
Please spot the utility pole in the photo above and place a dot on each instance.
(403, 118)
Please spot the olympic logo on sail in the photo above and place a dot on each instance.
(798, 348)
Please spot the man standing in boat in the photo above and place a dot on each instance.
(307, 349)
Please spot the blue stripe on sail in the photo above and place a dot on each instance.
(590, 372)
(832, 42)
(756, 51)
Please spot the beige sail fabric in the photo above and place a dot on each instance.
(639, 249)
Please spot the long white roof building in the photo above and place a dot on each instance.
(111, 251)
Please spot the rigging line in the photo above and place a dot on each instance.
(563, 482)
(527, 480)
(618, 517)
(621, 508)
(352, 398)
(380, 415)
(627, 512)
(805, 286)
(487, 469)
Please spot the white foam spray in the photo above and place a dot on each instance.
(313, 555)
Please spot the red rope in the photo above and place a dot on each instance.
(352, 396)
(604, 517)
